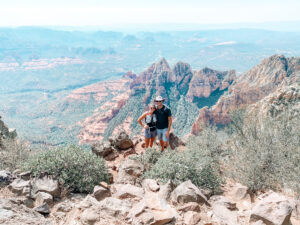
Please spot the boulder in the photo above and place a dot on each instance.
(115, 207)
(166, 190)
(190, 206)
(272, 209)
(221, 200)
(191, 218)
(20, 187)
(150, 185)
(43, 197)
(90, 216)
(224, 211)
(128, 191)
(5, 177)
(129, 171)
(239, 191)
(187, 192)
(45, 184)
(121, 141)
(101, 193)
(102, 148)
(25, 175)
(43, 209)
(13, 213)
(174, 141)
(29, 202)
(152, 210)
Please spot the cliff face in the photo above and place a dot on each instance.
(159, 77)
(262, 80)
(283, 100)
(205, 81)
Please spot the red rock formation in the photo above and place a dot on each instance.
(273, 72)
(94, 126)
(205, 81)
(159, 76)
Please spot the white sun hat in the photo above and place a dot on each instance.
(158, 98)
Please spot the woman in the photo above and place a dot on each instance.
(150, 126)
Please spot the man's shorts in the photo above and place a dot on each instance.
(161, 134)
(150, 134)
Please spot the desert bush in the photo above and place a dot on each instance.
(188, 165)
(149, 158)
(265, 154)
(13, 154)
(76, 169)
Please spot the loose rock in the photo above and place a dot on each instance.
(274, 209)
(101, 193)
(20, 187)
(128, 191)
(46, 184)
(187, 192)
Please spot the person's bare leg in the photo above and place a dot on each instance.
(166, 144)
(162, 145)
(152, 141)
(147, 140)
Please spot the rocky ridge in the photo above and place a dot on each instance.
(272, 73)
(40, 201)
(128, 199)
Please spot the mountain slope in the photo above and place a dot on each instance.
(185, 91)
(265, 78)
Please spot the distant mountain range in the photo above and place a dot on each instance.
(195, 97)
(41, 69)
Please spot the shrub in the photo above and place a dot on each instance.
(265, 154)
(149, 158)
(188, 165)
(76, 169)
(13, 154)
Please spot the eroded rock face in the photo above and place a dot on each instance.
(159, 77)
(273, 73)
(112, 95)
(273, 209)
(206, 81)
(284, 99)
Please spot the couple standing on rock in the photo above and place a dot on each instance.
(158, 121)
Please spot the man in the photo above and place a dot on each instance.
(164, 122)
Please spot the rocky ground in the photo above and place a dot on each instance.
(129, 200)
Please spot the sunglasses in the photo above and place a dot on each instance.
(157, 101)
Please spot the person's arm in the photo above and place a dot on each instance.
(140, 121)
(169, 126)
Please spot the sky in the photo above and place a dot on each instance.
(129, 12)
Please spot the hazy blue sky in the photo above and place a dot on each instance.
(118, 12)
